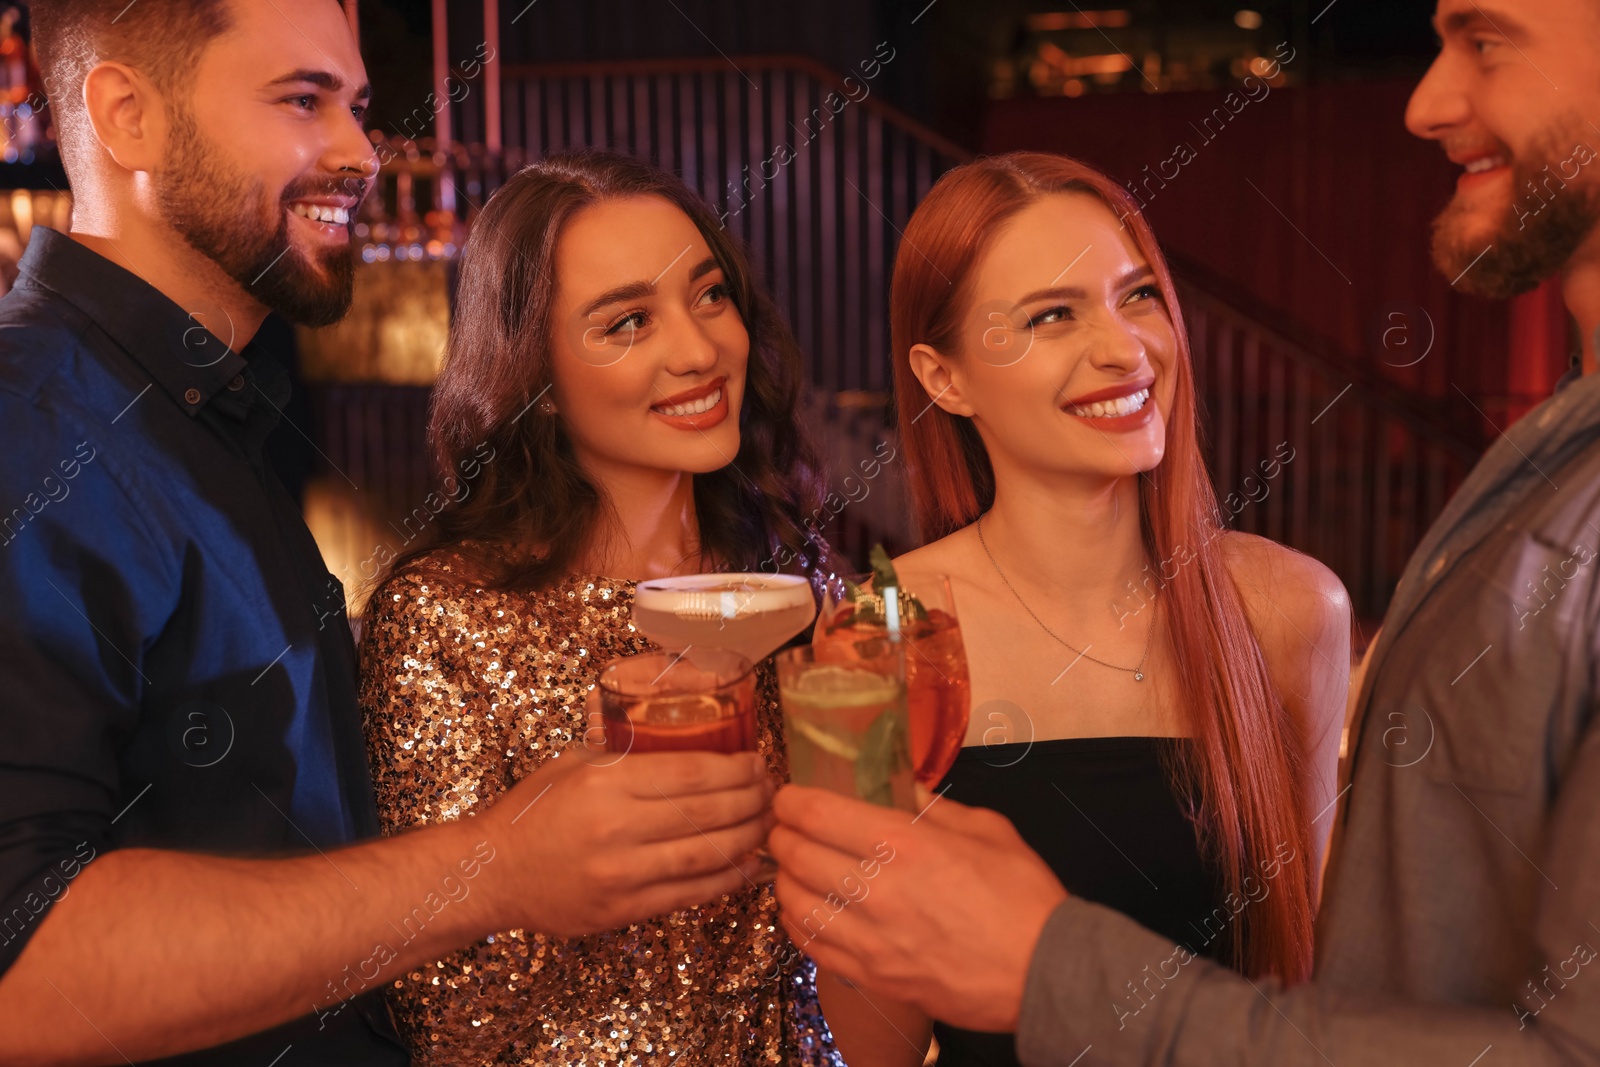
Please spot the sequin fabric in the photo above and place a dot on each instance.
(463, 692)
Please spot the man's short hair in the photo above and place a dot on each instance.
(163, 39)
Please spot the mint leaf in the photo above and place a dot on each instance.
(884, 577)
(882, 569)
(866, 603)
(885, 752)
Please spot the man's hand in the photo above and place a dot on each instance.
(592, 843)
(949, 917)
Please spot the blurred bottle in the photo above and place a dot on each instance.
(24, 124)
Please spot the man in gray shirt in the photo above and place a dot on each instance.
(1460, 919)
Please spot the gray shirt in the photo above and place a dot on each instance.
(1461, 917)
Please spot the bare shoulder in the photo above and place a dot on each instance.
(1292, 599)
(930, 557)
(950, 555)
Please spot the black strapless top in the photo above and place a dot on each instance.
(1103, 814)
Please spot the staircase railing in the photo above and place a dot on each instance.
(1310, 448)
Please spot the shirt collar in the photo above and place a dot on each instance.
(188, 361)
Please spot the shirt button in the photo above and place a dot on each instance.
(237, 383)
(1435, 567)
(192, 396)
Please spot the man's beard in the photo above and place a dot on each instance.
(1524, 249)
(218, 212)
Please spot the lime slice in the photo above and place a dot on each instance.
(840, 687)
(824, 740)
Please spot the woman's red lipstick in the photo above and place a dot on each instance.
(699, 420)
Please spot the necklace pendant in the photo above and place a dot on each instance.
(1138, 676)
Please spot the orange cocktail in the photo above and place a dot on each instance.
(701, 700)
(859, 615)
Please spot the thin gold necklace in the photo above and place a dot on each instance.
(1137, 672)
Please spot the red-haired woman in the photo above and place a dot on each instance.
(617, 404)
(1157, 701)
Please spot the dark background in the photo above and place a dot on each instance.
(945, 55)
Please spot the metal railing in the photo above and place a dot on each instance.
(1309, 448)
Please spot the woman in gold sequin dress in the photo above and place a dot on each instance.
(617, 404)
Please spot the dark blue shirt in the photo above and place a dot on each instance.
(176, 668)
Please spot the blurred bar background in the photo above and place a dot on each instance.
(1267, 143)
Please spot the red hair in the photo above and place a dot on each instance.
(1247, 762)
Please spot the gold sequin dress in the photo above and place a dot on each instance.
(463, 692)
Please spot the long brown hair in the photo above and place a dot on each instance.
(533, 509)
(1246, 764)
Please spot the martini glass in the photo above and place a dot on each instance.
(751, 613)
